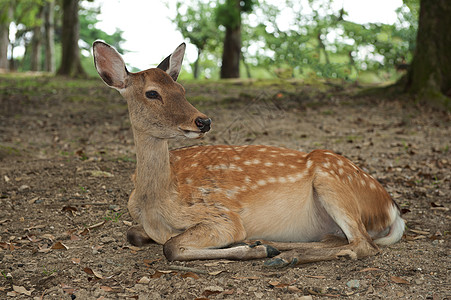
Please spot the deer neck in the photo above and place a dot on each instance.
(153, 170)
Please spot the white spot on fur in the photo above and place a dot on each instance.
(282, 180)
(271, 180)
(309, 164)
(268, 164)
(340, 162)
(372, 186)
(262, 150)
(261, 182)
(280, 164)
(341, 171)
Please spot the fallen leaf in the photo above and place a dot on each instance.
(98, 173)
(157, 274)
(148, 262)
(34, 227)
(293, 289)
(190, 274)
(249, 277)
(214, 273)
(228, 292)
(59, 246)
(92, 272)
(21, 290)
(106, 288)
(420, 231)
(74, 237)
(76, 260)
(96, 225)
(48, 236)
(399, 280)
(33, 239)
(207, 293)
(370, 269)
(144, 280)
(128, 223)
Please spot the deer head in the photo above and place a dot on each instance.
(156, 102)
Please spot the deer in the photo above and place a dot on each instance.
(238, 202)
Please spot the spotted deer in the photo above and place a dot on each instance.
(239, 202)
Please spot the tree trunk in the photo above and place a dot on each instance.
(430, 74)
(196, 64)
(36, 43)
(231, 53)
(49, 27)
(4, 34)
(70, 60)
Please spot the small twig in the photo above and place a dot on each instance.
(187, 269)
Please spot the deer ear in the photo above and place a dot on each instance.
(173, 63)
(110, 65)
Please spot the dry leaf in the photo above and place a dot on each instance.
(293, 289)
(144, 280)
(59, 246)
(399, 280)
(148, 262)
(92, 272)
(207, 293)
(249, 277)
(190, 274)
(106, 288)
(370, 269)
(214, 273)
(98, 173)
(21, 290)
(76, 260)
(157, 274)
(128, 223)
(96, 225)
(48, 236)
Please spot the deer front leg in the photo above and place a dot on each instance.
(205, 241)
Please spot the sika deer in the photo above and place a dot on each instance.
(198, 200)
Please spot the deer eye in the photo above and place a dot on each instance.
(153, 95)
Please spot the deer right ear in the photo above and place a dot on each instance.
(110, 65)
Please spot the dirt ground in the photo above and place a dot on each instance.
(67, 153)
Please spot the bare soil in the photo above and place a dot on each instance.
(67, 153)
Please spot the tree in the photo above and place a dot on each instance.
(429, 76)
(229, 16)
(196, 24)
(6, 14)
(36, 42)
(70, 61)
(49, 26)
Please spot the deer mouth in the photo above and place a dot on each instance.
(192, 134)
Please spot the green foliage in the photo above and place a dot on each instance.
(319, 40)
(89, 32)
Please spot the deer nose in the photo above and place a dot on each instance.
(203, 124)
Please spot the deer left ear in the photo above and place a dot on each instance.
(173, 63)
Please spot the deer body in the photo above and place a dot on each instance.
(198, 200)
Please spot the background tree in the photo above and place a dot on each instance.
(430, 74)
(229, 16)
(6, 15)
(49, 25)
(70, 60)
(196, 24)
